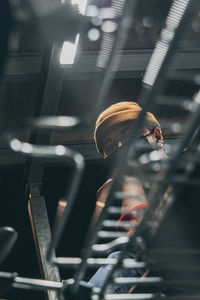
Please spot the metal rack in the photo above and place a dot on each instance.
(137, 162)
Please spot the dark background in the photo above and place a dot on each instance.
(23, 81)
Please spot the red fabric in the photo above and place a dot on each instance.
(136, 207)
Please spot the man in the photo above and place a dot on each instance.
(114, 124)
(112, 131)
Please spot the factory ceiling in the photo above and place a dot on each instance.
(34, 83)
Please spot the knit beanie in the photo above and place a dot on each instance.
(114, 115)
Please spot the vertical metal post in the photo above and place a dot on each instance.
(50, 96)
(42, 236)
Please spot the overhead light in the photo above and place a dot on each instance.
(68, 52)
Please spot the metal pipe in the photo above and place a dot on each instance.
(57, 152)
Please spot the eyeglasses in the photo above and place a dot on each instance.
(146, 135)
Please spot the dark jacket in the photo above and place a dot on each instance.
(99, 277)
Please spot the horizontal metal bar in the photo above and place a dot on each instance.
(121, 195)
(136, 60)
(127, 262)
(153, 281)
(20, 78)
(97, 262)
(124, 297)
(126, 280)
(8, 157)
(114, 210)
(111, 234)
(70, 261)
(132, 62)
(38, 284)
(109, 246)
(113, 224)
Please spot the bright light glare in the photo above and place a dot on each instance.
(15, 144)
(92, 11)
(60, 150)
(93, 34)
(109, 26)
(68, 52)
(26, 148)
(197, 97)
(155, 155)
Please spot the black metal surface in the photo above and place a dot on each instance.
(8, 238)
(5, 25)
(42, 236)
(6, 281)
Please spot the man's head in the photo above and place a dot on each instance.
(114, 124)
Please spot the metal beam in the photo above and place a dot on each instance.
(27, 63)
(88, 150)
(133, 63)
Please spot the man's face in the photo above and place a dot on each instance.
(116, 138)
(119, 135)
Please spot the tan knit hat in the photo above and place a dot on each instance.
(113, 116)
